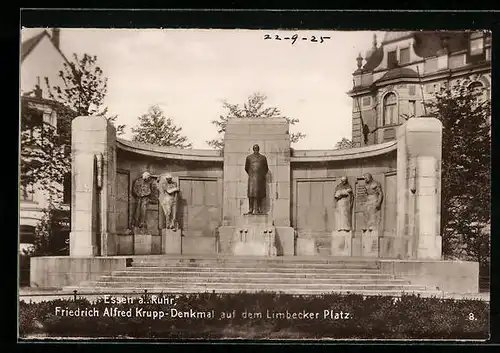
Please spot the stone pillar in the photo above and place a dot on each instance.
(93, 186)
(419, 187)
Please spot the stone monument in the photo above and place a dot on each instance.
(142, 190)
(255, 232)
(168, 200)
(342, 235)
(371, 213)
(256, 208)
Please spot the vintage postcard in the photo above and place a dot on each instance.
(220, 184)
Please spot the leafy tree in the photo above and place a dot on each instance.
(84, 88)
(43, 158)
(253, 108)
(45, 151)
(156, 129)
(345, 143)
(466, 171)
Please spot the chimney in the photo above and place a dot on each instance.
(56, 32)
(38, 91)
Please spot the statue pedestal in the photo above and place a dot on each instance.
(306, 246)
(171, 241)
(341, 243)
(251, 230)
(254, 235)
(143, 242)
(369, 243)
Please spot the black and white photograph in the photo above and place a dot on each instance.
(254, 184)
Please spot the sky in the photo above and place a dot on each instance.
(190, 72)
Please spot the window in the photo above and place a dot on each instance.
(390, 109)
(67, 188)
(392, 59)
(456, 61)
(26, 234)
(487, 38)
(412, 108)
(476, 45)
(430, 65)
(30, 120)
(404, 56)
(411, 90)
(430, 88)
(366, 101)
(26, 193)
(389, 134)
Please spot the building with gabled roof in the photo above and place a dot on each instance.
(41, 60)
(404, 71)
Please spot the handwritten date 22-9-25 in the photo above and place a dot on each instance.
(296, 37)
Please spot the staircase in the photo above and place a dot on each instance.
(294, 275)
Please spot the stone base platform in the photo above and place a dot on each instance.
(171, 241)
(143, 243)
(256, 235)
(446, 276)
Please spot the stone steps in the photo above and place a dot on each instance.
(256, 286)
(130, 291)
(244, 280)
(233, 264)
(251, 259)
(256, 269)
(298, 275)
(243, 273)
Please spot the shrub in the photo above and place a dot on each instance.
(407, 317)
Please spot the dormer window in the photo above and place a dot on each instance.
(476, 44)
(404, 56)
(392, 59)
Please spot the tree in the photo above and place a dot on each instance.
(156, 129)
(84, 88)
(466, 172)
(43, 159)
(345, 143)
(253, 108)
(46, 151)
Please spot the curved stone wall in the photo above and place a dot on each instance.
(300, 189)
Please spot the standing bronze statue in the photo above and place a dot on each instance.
(256, 168)
(143, 191)
(169, 191)
(373, 203)
(344, 198)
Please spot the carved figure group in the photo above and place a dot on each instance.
(144, 189)
(344, 197)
